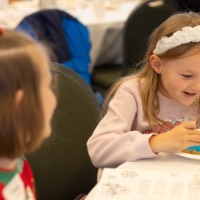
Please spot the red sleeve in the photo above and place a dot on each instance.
(27, 177)
(1, 189)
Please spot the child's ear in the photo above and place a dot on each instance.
(155, 63)
(18, 97)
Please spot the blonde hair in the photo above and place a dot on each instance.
(20, 126)
(147, 74)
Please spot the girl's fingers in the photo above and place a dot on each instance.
(195, 138)
(189, 125)
(194, 132)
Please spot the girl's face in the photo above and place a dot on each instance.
(48, 98)
(179, 78)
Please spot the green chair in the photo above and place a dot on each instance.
(62, 167)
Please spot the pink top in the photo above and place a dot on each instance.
(123, 134)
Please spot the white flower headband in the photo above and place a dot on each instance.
(184, 36)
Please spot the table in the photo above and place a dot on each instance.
(105, 29)
(162, 162)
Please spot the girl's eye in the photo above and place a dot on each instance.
(187, 75)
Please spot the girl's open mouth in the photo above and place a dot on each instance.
(190, 94)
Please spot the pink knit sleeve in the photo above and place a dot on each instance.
(117, 138)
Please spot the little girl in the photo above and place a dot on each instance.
(163, 97)
(26, 107)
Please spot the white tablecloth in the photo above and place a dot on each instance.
(162, 162)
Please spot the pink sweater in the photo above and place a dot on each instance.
(123, 134)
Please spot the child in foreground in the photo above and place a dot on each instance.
(26, 107)
(156, 109)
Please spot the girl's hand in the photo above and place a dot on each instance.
(176, 139)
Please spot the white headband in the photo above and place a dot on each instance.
(184, 36)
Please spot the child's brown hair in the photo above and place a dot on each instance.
(21, 123)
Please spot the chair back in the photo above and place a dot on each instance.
(138, 27)
(65, 35)
(62, 167)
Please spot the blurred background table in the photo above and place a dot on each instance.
(105, 25)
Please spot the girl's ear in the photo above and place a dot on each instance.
(155, 63)
(18, 97)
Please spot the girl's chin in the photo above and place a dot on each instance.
(47, 133)
(189, 103)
